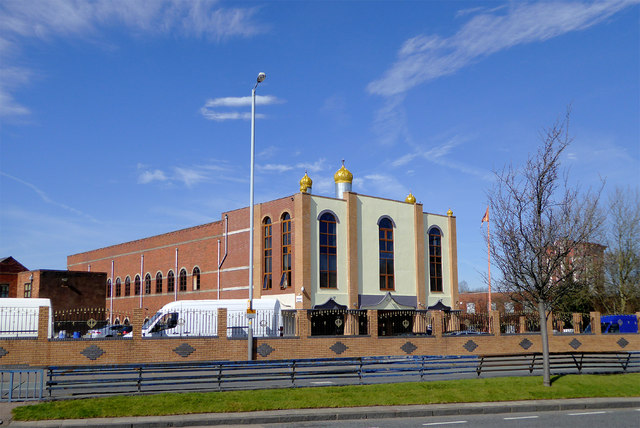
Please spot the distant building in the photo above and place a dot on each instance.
(351, 250)
(9, 270)
(478, 302)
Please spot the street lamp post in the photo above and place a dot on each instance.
(250, 314)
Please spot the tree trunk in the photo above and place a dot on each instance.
(544, 335)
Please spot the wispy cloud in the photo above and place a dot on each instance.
(188, 176)
(47, 199)
(427, 57)
(45, 20)
(235, 102)
(382, 184)
(316, 166)
(432, 153)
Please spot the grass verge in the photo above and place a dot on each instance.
(454, 391)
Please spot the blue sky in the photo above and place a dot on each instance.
(121, 120)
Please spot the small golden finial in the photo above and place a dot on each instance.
(449, 213)
(410, 198)
(305, 183)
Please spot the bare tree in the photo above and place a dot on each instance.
(539, 224)
(622, 259)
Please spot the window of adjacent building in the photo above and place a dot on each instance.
(285, 281)
(508, 307)
(183, 280)
(4, 290)
(435, 259)
(109, 287)
(471, 308)
(170, 282)
(386, 254)
(159, 282)
(136, 285)
(118, 287)
(328, 252)
(27, 289)
(196, 278)
(267, 242)
(147, 284)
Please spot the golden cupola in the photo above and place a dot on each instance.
(343, 179)
(305, 183)
(410, 198)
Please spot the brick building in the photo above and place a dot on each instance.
(361, 252)
(9, 270)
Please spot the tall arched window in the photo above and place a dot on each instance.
(435, 259)
(285, 281)
(183, 280)
(147, 284)
(159, 283)
(170, 282)
(328, 252)
(267, 253)
(385, 228)
(109, 287)
(127, 286)
(196, 278)
(136, 285)
(118, 287)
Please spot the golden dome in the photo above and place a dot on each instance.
(343, 175)
(305, 183)
(449, 213)
(410, 198)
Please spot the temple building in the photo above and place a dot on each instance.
(349, 251)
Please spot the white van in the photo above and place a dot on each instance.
(200, 318)
(19, 317)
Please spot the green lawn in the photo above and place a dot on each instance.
(455, 391)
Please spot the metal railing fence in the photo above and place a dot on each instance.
(21, 385)
(77, 323)
(18, 322)
(460, 322)
(81, 381)
(338, 322)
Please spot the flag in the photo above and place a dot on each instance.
(486, 216)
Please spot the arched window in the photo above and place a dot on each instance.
(136, 285)
(147, 284)
(385, 228)
(109, 287)
(159, 282)
(285, 281)
(170, 282)
(196, 278)
(435, 259)
(267, 253)
(328, 252)
(183, 280)
(127, 286)
(118, 287)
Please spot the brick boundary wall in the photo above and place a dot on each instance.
(42, 351)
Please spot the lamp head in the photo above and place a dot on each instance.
(261, 77)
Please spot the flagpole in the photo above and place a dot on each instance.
(489, 260)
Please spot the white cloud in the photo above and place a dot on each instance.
(427, 57)
(149, 176)
(274, 167)
(235, 102)
(383, 185)
(188, 176)
(46, 20)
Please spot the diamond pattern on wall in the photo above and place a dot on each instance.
(408, 347)
(526, 344)
(575, 343)
(92, 352)
(3, 352)
(339, 347)
(184, 350)
(470, 345)
(621, 343)
(264, 350)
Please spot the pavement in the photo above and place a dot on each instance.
(350, 413)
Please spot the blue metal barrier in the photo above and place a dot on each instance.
(21, 385)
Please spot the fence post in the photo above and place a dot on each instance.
(137, 319)
(595, 322)
(372, 320)
(436, 327)
(43, 323)
(222, 323)
(576, 320)
(522, 324)
(494, 321)
(303, 324)
(549, 322)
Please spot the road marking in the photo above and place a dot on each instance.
(325, 382)
(586, 413)
(445, 423)
(520, 417)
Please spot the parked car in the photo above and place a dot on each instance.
(617, 324)
(115, 330)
